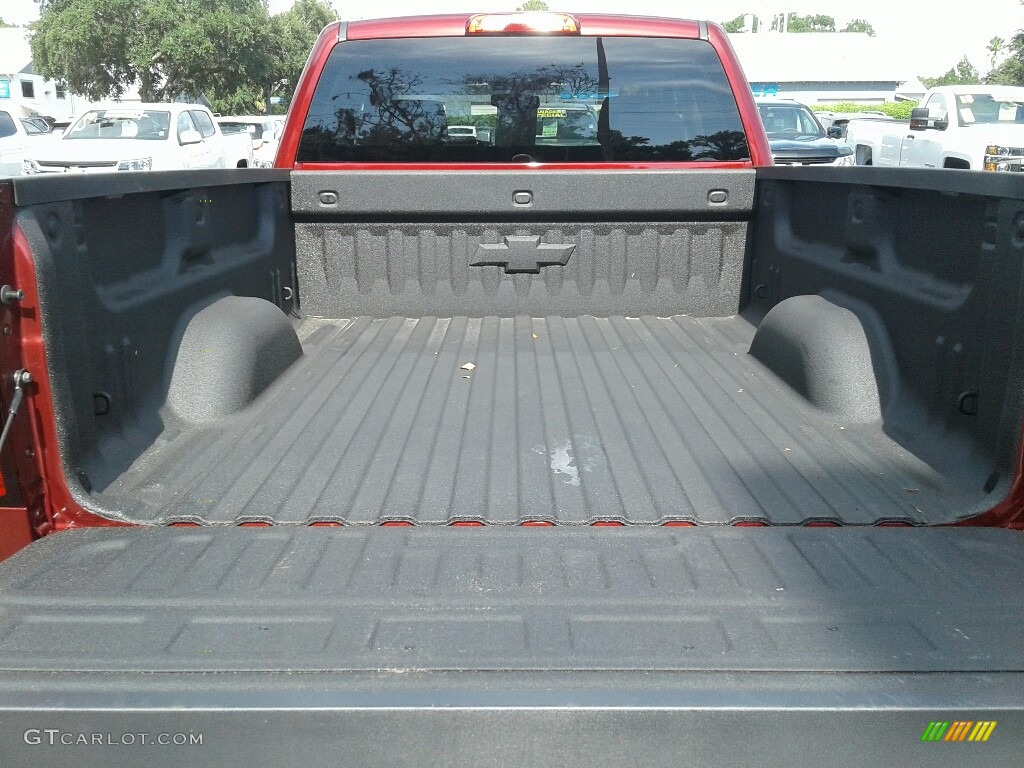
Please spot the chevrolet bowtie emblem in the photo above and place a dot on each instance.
(521, 254)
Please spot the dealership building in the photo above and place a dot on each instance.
(23, 93)
(827, 67)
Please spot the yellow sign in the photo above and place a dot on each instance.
(551, 113)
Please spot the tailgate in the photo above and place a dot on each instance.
(510, 645)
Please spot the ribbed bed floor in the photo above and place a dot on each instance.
(505, 420)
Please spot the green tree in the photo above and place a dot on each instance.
(812, 23)
(1010, 71)
(4, 24)
(739, 23)
(996, 48)
(963, 73)
(860, 25)
(734, 25)
(100, 48)
(533, 5)
(244, 100)
(293, 35)
(898, 110)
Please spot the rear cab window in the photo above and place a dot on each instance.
(523, 99)
(254, 130)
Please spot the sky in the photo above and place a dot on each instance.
(932, 34)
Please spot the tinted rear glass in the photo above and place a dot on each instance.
(545, 99)
(255, 130)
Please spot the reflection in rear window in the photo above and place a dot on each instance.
(542, 99)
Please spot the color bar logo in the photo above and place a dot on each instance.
(959, 730)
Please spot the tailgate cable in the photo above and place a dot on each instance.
(21, 378)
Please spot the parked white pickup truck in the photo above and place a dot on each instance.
(978, 127)
(134, 137)
(238, 150)
(262, 133)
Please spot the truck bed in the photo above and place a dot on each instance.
(568, 420)
(229, 350)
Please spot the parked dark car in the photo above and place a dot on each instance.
(797, 138)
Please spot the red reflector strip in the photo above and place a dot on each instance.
(3, 485)
(541, 523)
(535, 22)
